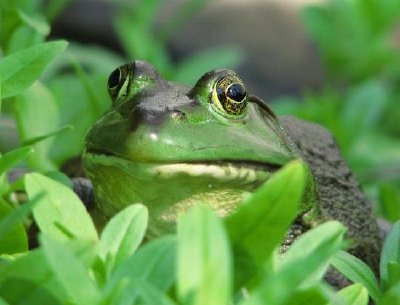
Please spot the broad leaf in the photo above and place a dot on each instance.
(20, 69)
(357, 271)
(390, 252)
(60, 214)
(12, 158)
(123, 234)
(70, 272)
(204, 259)
(261, 222)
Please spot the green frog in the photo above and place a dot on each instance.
(170, 146)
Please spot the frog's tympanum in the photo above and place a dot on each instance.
(169, 146)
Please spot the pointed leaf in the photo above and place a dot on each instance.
(12, 158)
(70, 272)
(123, 234)
(280, 286)
(153, 263)
(357, 271)
(204, 259)
(355, 294)
(268, 213)
(60, 213)
(390, 252)
(20, 69)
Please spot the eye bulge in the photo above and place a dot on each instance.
(229, 96)
(114, 78)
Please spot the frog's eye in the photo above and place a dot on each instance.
(114, 79)
(229, 96)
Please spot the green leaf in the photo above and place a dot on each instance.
(204, 259)
(153, 263)
(13, 237)
(123, 234)
(2, 302)
(355, 294)
(390, 252)
(20, 69)
(150, 295)
(11, 227)
(372, 97)
(357, 271)
(280, 286)
(268, 212)
(28, 280)
(37, 139)
(311, 242)
(70, 272)
(391, 296)
(32, 125)
(201, 62)
(37, 22)
(12, 158)
(60, 214)
(316, 295)
(393, 273)
(389, 198)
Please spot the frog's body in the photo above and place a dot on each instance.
(169, 146)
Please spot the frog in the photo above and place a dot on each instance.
(170, 146)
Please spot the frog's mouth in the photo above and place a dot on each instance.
(247, 171)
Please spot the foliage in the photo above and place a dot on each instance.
(196, 265)
(208, 260)
(359, 101)
(78, 73)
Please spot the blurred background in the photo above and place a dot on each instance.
(334, 62)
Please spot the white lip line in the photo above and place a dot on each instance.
(226, 172)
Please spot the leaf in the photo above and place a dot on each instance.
(280, 286)
(315, 295)
(390, 253)
(372, 97)
(60, 214)
(355, 294)
(11, 227)
(70, 272)
(37, 22)
(204, 259)
(28, 280)
(32, 125)
(311, 242)
(357, 271)
(391, 296)
(13, 237)
(150, 295)
(123, 234)
(12, 158)
(153, 263)
(389, 198)
(268, 212)
(20, 69)
(37, 139)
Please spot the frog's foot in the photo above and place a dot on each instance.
(84, 189)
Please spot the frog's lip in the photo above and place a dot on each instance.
(178, 165)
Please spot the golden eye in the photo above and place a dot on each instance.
(229, 96)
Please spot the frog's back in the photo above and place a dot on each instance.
(340, 196)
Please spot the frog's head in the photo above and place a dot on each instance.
(169, 146)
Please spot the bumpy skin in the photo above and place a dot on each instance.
(340, 196)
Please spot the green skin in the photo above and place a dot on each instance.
(169, 146)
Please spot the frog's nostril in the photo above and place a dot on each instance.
(177, 114)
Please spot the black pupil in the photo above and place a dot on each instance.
(114, 78)
(236, 92)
